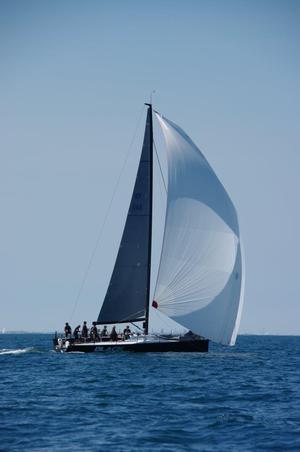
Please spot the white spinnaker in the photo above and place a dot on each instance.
(200, 281)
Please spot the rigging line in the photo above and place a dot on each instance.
(136, 326)
(152, 334)
(105, 218)
(160, 167)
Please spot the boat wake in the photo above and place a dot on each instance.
(16, 351)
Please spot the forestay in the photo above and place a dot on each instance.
(200, 281)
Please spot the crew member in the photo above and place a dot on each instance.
(94, 332)
(114, 334)
(127, 332)
(104, 331)
(68, 330)
(76, 332)
(84, 331)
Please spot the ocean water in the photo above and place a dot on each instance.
(238, 399)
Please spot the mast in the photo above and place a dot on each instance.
(150, 226)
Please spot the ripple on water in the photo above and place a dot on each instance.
(245, 398)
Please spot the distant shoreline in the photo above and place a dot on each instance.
(29, 332)
(61, 332)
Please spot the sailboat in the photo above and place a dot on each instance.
(200, 280)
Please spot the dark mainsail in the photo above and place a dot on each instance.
(127, 295)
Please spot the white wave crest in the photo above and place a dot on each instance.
(16, 351)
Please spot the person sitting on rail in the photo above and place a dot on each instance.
(104, 332)
(127, 332)
(94, 332)
(114, 334)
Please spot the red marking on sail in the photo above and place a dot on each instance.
(155, 304)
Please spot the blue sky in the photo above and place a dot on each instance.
(74, 76)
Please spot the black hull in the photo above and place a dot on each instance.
(164, 346)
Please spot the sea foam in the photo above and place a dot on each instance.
(16, 351)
